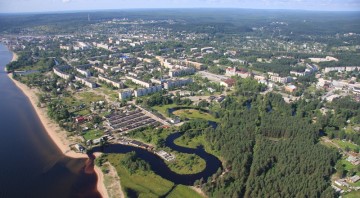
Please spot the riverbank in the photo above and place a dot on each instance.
(15, 57)
(100, 183)
(57, 134)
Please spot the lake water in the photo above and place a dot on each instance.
(31, 165)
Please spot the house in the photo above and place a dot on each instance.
(243, 73)
(228, 82)
(353, 160)
(80, 119)
(290, 88)
(175, 120)
(354, 178)
(341, 182)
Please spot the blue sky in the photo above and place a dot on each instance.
(66, 5)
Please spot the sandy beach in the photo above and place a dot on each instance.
(14, 57)
(57, 134)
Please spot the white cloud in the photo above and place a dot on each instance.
(66, 1)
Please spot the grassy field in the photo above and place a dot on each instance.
(194, 114)
(195, 142)
(144, 184)
(186, 163)
(108, 91)
(344, 144)
(88, 97)
(151, 136)
(181, 191)
(93, 134)
(185, 113)
(163, 109)
(354, 194)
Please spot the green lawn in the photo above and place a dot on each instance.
(185, 113)
(163, 109)
(110, 92)
(194, 114)
(348, 166)
(181, 191)
(88, 97)
(82, 112)
(195, 142)
(145, 184)
(354, 194)
(186, 163)
(93, 134)
(344, 144)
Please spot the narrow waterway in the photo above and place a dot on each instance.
(31, 165)
(159, 166)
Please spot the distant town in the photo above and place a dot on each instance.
(134, 81)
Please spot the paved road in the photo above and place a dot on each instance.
(212, 77)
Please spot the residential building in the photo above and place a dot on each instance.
(139, 82)
(123, 95)
(177, 83)
(182, 72)
(290, 88)
(243, 73)
(99, 69)
(228, 82)
(114, 83)
(59, 71)
(147, 91)
(85, 82)
(281, 79)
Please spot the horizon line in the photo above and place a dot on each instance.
(170, 8)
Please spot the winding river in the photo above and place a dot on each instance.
(159, 166)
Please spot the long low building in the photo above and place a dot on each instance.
(177, 83)
(147, 91)
(114, 83)
(138, 82)
(182, 72)
(339, 69)
(59, 71)
(85, 82)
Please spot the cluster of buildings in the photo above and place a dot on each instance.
(326, 59)
(355, 160)
(309, 70)
(165, 155)
(243, 73)
(165, 84)
(341, 69)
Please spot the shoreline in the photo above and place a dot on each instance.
(56, 134)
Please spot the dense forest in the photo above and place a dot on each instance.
(269, 149)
